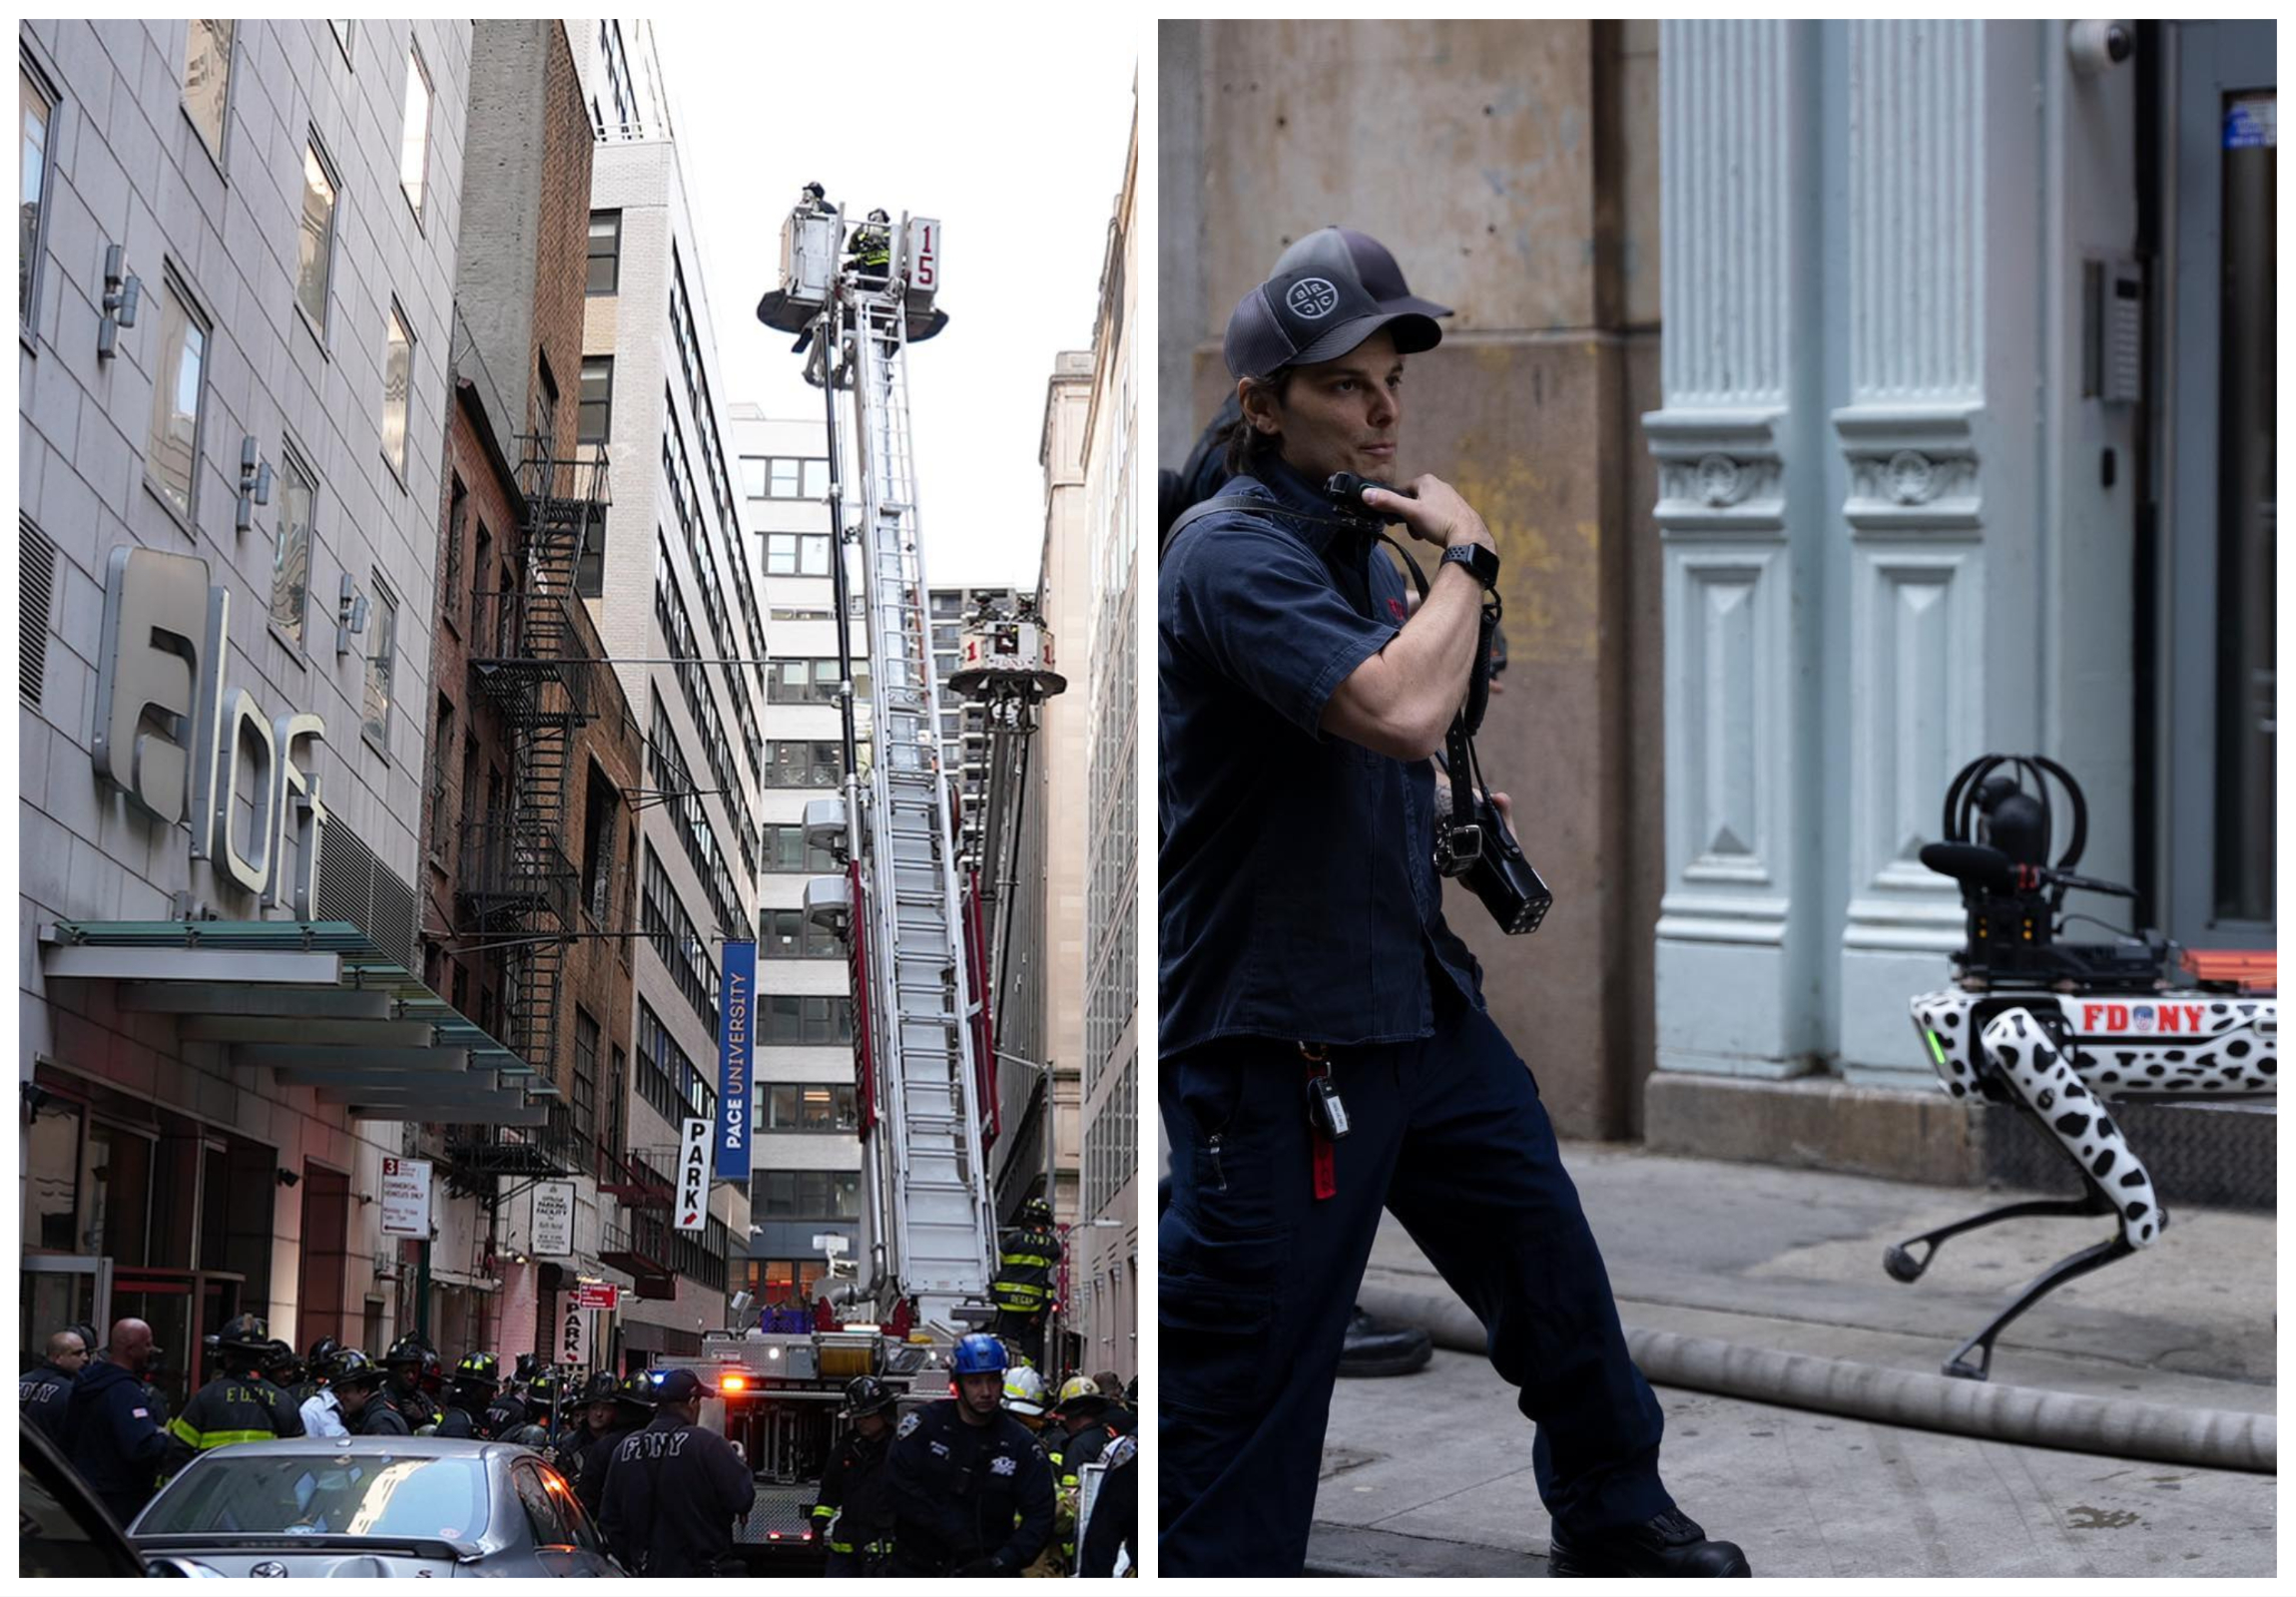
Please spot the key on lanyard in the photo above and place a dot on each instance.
(1327, 1119)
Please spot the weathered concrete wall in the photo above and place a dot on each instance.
(1512, 169)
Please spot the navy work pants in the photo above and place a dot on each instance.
(1257, 1275)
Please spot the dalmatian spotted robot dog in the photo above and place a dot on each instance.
(2060, 1030)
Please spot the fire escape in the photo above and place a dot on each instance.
(638, 1240)
(518, 889)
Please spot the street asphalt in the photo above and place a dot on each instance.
(1429, 1474)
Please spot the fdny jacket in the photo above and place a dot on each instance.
(229, 1409)
(672, 1499)
(856, 1494)
(44, 1394)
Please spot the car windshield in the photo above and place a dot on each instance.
(254, 1490)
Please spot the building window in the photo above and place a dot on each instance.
(207, 81)
(414, 138)
(786, 1020)
(600, 826)
(805, 763)
(317, 240)
(457, 531)
(585, 1075)
(481, 613)
(440, 747)
(787, 935)
(605, 253)
(398, 374)
(811, 681)
(798, 554)
(36, 130)
(787, 850)
(545, 404)
(382, 629)
(290, 556)
(784, 477)
(597, 417)
(810, 1105)
(175, 398)
(804, 1193)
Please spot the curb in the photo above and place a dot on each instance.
(2211, 1438)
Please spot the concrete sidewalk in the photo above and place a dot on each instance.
(1431, 1474)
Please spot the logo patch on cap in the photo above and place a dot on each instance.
(1312, 298)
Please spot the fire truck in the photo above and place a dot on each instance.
(906, 906)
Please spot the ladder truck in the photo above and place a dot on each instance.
(918, 1276)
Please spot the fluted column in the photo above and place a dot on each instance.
(1736, 928)
(1931, 457)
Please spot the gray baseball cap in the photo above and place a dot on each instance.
(1299, 317)
(1372, 261)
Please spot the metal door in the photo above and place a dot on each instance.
(2219, 561)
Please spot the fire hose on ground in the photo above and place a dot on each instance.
(2157, 1433)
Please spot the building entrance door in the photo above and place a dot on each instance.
(59, 1290)
(182, 1308)
(2217, 745)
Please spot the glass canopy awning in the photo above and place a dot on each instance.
(316, 1003)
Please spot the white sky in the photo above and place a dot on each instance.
(1010, 132)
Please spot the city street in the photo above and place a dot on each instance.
(1429, 1474)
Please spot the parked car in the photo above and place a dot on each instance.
(373, 1505)
(64, 1532)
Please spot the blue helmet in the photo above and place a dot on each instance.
(979, 1354)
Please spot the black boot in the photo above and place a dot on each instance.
(1672, 1544)
(1371, 1348)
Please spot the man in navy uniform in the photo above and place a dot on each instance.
(1304, 957)
(972, 1490)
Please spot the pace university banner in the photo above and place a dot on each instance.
(739, 995)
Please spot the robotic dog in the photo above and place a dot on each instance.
(2058, 1029)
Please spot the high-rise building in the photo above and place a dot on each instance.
(1103, 1294)
(226, 516)
(675, 596)
(805, 1147)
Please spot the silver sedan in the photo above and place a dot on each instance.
(373, 1505)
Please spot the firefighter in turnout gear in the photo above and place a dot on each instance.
(972, 1492)
(314, 1370)
(854, 1516)
(1027, 1256)
(869, 254)
(406, 1363)
(355, 1381)
(470, 1398)
(237, 1405)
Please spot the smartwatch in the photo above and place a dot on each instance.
(1480, 560)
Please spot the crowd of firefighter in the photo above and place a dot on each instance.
(986, 1481)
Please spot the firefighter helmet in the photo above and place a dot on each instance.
(280, 1363)
(1080, 1392)
(1036, 1212)
(409, 1350)
(603, 1388)
(351, 1368)
(866, 1394)
(1024, 1392)
(322, 1352)
(479, 1369)
(978, 1354)
(246, 1336)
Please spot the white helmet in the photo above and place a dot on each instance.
(1024, 1390)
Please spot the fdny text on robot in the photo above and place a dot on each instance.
(2143, 1017)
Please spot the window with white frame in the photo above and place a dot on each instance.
(414, 135)
(170, 458)
(207, 82)
(36, 126)
(383, 649)
(290, 557)
(317, 244)
(397, 377)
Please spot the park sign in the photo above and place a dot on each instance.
(405, 1196)
(554, 1220)
(693, 1177)
(734, 1029)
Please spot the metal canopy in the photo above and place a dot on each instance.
(316, 1002)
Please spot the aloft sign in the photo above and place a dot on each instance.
(171, 738)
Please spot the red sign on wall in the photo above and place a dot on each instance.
(589, 1297)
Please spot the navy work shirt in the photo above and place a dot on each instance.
(1298, 896)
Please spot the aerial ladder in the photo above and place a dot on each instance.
(904, 906)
